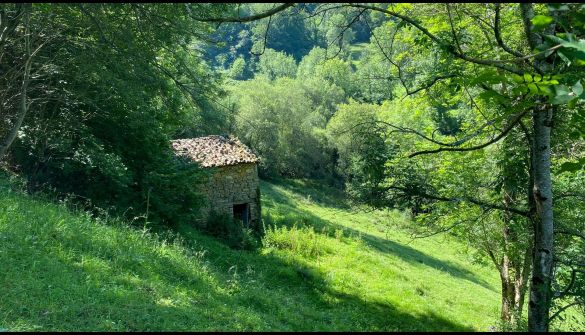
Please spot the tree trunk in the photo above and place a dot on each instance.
(507, 292)
(520, 283)
(22, 106)
(542, 214)
(542, 255)
(22, 109)
(514, 271)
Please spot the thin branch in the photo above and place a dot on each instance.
(339, 37)
(265, 38)
(444, 230)
(446, 46)
(570, 232)
(513, 123)
(461, 199)
(429, 84)
(569, 195)
(574, 303)
(569, 286)
(498, 34)
(247, 18)
(453, 29)
(400, 77)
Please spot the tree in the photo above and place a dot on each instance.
(540, 101)
(283, 120)
(106, 95)
(535, 66)
(20, 41)
(274, 64)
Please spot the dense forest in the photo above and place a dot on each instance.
(467, 119)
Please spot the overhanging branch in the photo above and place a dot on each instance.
(446, 46)
(513, 123)
(461, 199)
(247, 18)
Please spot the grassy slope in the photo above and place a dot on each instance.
(64, 271)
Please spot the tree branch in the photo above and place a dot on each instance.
(444, 230)
(498, 34)
(570, 232)
(513, 123)
(446, 46)
(574, 303)
(460, 199)
(247, 18)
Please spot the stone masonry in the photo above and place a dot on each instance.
(233, 187)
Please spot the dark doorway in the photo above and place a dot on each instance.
(242, 212)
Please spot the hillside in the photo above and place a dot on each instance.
(324, 268)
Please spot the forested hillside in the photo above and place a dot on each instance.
(422, 166)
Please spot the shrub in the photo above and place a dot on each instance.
(303, 241)
(232, 231)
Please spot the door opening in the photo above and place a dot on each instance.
(242, 212)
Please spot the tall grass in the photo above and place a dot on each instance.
(322, 267)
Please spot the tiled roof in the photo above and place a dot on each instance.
(214, 150)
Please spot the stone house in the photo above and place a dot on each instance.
(232, 187)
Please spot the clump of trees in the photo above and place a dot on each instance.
(474, 129)
(91, 96)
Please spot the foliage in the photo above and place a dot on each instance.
(429, 113)
(232, 231)
(301, 241)
(282, 121)
(122, 83)
(274, 64)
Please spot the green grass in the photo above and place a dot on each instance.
(356, 52)
(323, 267)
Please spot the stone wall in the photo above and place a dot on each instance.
(229, 185)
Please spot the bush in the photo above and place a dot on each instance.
(232, 231)
(303, 241)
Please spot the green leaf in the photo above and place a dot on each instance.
(532, 87)
(541, 21)
(561, 90)
(554, 39)
(563, 57)
(527, 78)
(561, 99)
(545, 89)
(517, 78)
(571, 104)
(561, 95)
(487, 77)
(578, 88)
(489, 95)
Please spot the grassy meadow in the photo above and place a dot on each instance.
(322, 267)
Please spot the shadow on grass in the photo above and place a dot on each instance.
(62, 274)
(61, 277)
(307, 190)
(58, 294)
(406, 253)
(316, 306)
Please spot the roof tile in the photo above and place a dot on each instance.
(214, 150)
